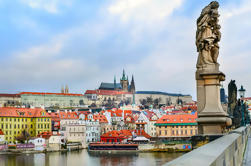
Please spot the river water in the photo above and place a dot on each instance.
(83, 158)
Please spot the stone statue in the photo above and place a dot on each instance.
(234, 105)
(208, 35)
(232, 97)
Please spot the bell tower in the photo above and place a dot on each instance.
(124, 82)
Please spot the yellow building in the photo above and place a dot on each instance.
(14, 120)
(184, 125)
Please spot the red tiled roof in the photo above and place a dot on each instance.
(68, 115)
(1, 132)
(44, 93)
(45, 135)
(22, 112)
(106, 92)
(115, 133)
(194, 107)
(126, 133)
(54, 116)
(183, 118)
(101, 118)
(9, 95)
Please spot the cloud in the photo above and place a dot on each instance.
(233, 10)
(143, 10)
(152, 39)
(50, 6)
(46, 65)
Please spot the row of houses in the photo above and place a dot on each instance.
(83, 127)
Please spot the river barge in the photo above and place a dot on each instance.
(112, 146)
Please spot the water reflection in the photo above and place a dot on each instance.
(83, 158)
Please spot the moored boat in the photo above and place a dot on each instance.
(112, 146)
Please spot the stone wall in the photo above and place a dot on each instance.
(224, 151)
(163, 98)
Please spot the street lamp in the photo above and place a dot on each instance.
(242, 92)
(243, 106)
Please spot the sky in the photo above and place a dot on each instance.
(45, 44)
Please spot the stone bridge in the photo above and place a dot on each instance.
(233, 149)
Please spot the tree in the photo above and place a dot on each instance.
(93, 105)
(156, 102)
(23, 137)
(149, 100)
(143, 102)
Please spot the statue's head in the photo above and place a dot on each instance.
(214, 5)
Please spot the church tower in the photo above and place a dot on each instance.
(66, 89)
(62, 89)
(124, 82)
(115, 84)
(132, 87)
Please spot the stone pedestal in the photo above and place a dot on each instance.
(212, 119)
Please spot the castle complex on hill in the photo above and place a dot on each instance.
(122, 86)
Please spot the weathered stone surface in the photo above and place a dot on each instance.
(208, 35)
(227, 150)
(212, 119)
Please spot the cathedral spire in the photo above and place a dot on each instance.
(66, 89)
(62, 89)
(115, 83)
(132, 86)
(123, 76)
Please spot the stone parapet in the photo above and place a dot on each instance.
(224, 151)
